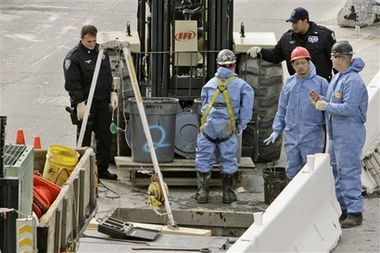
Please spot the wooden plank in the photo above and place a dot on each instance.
(127, 163)
(179, 172)
(139, 179)
(179, 178)
(175, 181)
(49, 222)
(93, 225)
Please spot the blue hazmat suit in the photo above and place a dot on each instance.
(299, 120)
(346, 113)
(218, 126)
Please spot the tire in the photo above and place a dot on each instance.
(119, 69)
(267, 83)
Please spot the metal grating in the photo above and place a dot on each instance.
(12, 153)
(19, 163)
(371, 161)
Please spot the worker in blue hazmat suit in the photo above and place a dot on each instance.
(296, 116)
(227, 104)
(345, 107)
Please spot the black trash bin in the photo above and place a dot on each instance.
(161, 116)
(274, 182)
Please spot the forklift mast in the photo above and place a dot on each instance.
(164, 69)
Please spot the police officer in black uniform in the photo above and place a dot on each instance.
(317, 39)
(78, 67)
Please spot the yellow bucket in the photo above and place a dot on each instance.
(60, 162)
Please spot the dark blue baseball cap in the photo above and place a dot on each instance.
(298, 14)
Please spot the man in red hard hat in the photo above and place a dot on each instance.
(296, 115)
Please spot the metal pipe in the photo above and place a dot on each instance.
(144, 121)
(90, 97)
(204, 250)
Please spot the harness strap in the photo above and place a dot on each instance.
(220, 104)
(229, 108)
(217, 141)
(221, 88)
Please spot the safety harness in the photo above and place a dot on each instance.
(221, 88)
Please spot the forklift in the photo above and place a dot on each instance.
(174, 52)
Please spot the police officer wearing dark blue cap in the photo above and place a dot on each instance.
(317, 39)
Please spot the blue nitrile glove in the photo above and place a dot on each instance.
(271, 139)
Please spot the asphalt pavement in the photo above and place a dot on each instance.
(37, 34)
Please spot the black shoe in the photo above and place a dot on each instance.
(352, 220)
(107, 175)
(343, 216)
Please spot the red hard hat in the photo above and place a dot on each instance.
(300, 53)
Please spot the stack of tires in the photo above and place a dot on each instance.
(266, 79)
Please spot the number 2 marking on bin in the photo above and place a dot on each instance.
(160, 143)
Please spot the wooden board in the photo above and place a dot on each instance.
(93, 225)
(177, 173)
(126, 162)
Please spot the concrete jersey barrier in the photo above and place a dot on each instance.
(303, 218)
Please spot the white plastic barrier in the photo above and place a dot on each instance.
(372, 127)
(303, 218)
(373, 120)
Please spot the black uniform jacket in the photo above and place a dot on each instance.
(318, 41)
(79, 67)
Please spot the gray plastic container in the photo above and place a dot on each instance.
(161, 116)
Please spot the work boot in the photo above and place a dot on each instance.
(203, 187)
(352, 220)
(343, 216)
(229, 195)
(105, 174)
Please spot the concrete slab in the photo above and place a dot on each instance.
(97, 242)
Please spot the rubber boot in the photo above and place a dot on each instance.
(203, 187)
(343, 216)
(229, 195)
(352, 220)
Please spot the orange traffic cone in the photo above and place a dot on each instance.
(20, 140)
(37, 142)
